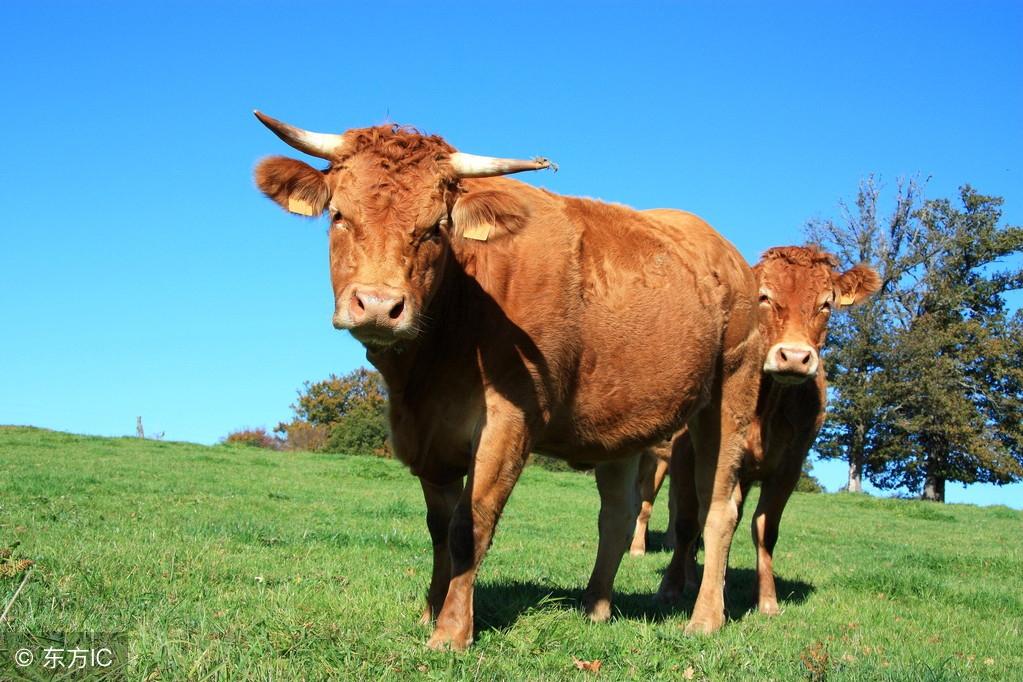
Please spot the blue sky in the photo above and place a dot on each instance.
(142, 274)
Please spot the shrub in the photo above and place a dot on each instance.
(344, 414)
(551, 463)
(325, 402)
(808, 483)
(258, 438)
(300, 435)
(363, 431)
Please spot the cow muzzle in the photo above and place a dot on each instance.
(375, 315)
(792, 363)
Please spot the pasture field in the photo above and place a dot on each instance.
(235, 563)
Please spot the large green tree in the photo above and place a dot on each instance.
(927, 380)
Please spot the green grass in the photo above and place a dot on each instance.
(228, 562)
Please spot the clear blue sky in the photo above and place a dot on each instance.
(142, 274)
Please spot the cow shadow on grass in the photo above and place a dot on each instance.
(500, 605)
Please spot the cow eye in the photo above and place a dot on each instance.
(764, 298)
(433, 233)
(826, 307)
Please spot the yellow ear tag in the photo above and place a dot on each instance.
(300, 207)
(479, 232)
(847, 299)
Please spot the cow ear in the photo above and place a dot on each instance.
(857, 283)
(487, 215)
(294, 185)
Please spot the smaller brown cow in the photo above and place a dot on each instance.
(799, 288)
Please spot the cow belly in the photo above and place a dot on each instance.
(635, 389)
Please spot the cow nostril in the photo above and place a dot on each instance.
(781, 352)
(397, 310)
(357, 303)
(806, 359)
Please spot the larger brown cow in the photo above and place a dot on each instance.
(799, 288)
(506, 319)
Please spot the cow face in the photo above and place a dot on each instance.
(389, 194)
(387, 238)
(799, 289)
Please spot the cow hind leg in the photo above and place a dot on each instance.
(440, 505)
(670, 532)
(616, 483)
(646, 487)
(681, 574)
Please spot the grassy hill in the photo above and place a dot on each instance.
(234, 562)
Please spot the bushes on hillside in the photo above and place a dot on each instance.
(346, 414)
(808, 483)
(300, 435)
(363, 431)
(258, 438)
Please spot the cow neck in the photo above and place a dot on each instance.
(775, 396)
(449, 327)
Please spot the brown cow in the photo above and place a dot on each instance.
(505, 319)
(799, 288)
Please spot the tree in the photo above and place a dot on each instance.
(927, 384)
(855, 356)
(341, 414)
(958, 382)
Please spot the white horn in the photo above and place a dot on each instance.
(322, 145)
(473, 166)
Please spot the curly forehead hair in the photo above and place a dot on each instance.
(396, 146)
(804, 256)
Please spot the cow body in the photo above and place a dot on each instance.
(506, 319)
(798, 290)
(572, 319)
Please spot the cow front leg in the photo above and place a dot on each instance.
(440, 506)
(774, 494)
(616, 481)
(499, 458)
(718, 444)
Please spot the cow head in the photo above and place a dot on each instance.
(389, 193)
(799, 289)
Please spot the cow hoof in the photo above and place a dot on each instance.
(667, 595)
(700, 627)
(637, 551)
(704, 626)
(441, 641)
(769, 607)
(597, 608)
